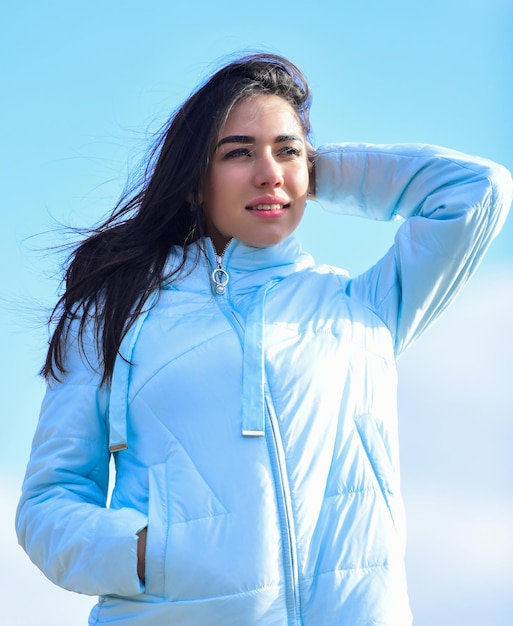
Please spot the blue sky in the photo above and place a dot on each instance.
(84, 86)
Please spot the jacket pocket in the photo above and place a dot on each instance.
(382, 468)
(179, 497)
(158, 523)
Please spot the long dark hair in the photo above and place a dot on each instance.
(110, 274)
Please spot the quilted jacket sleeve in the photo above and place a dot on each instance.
(453, 206)
(62, 520)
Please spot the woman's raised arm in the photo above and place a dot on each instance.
(453, 205)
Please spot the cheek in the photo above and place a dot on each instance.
(226, 184)
(302, 180)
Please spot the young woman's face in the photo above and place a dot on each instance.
(258, 178)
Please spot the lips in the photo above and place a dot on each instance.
(268, 203)
(267, 207)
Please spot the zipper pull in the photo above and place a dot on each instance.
(220, 276)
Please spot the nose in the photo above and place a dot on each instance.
(268, 172)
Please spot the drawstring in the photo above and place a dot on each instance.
(118, 402)
(253, 381)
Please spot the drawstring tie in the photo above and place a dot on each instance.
(253, 381)
(118, 402)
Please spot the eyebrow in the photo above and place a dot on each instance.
(246, 139)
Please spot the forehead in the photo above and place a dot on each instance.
(261, 114)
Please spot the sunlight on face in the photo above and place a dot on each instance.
(258, 179)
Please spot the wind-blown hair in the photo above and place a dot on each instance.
(111, 273)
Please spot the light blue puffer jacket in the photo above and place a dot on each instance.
(260, 422)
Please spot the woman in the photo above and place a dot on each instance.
(247, 394)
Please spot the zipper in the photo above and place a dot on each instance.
(219, 275)
(282, 490)
(220, 279)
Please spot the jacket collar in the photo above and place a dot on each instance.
(248, 267)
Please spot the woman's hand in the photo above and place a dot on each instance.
(141, 554)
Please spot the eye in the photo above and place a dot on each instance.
(290, 151)
(237, 152)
